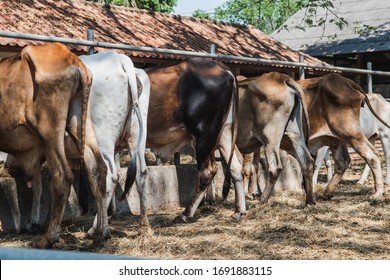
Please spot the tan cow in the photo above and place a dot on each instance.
(270, 115)
(43, 91)
(372, 129)
(333, 103)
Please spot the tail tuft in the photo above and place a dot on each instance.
(83, 191)
(226, 185)
(130, 177)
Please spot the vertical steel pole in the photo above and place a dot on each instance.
(212, 48)
(301, 69)
(90, 37)
(369, 78)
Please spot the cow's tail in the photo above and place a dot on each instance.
(235, 102)
(131, 173)
(357, 87)
(298, 90)
(83, 181)
(367, 100)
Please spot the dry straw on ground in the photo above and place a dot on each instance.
(347, 227)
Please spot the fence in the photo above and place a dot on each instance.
(90, 43)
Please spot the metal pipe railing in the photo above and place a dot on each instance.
(261, 61)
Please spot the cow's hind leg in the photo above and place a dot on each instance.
(328, 163)
(103, 195)
(97, 175)
(254, 179)
(141, 178)
(368, 152)
(385, 139)
(319, 158)
(366, 171)
(62, 177)
(342, 160)
(302, 154)
(225, 147)
(248, 175)
(274, 165)
(11, 193)
(34, 224)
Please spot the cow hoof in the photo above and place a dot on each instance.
(17, 229)
(43, 244)
(263, 199)
(91, 234)
(377, 195)
(250, 196)
(237, 216)
(310, 201)
(97, 244)
(325, 196)
(181, 219)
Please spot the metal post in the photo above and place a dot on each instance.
(301, 69)
(212, 48)
(90, 37)
(369, 78)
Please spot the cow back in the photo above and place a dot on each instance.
(332, 98)
(39, 84)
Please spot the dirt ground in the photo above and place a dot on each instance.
(347, 227)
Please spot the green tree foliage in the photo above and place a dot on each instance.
(268, 15)
(164, 6)
(201, 14)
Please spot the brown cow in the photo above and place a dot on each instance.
(333, 104)
(191, 102)
(43, 91)
(372, 128)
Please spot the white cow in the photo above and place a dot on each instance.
(118, 108)
(322, 156)
(115, 112)
(372, 128)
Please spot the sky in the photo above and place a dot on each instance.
(187, 7)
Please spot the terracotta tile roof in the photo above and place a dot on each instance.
(137, 27)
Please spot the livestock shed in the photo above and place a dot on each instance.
(365, 38)
(121, 25)
(116, 24)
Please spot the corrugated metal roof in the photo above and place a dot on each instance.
(138, 27)
(330, 39)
